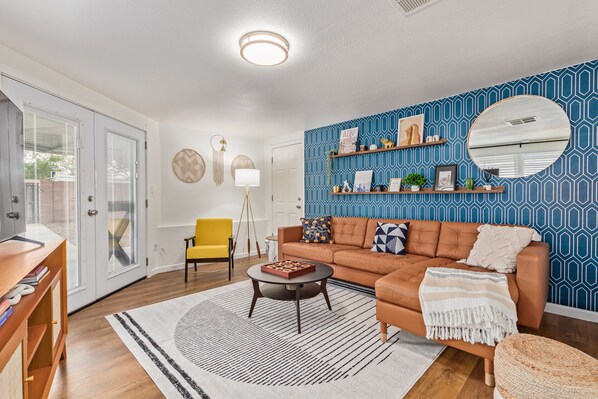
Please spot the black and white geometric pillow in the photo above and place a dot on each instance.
(390, 238)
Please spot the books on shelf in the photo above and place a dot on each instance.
(7, 313)
(35, 276)
(4, 304)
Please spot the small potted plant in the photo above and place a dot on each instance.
(415, 180)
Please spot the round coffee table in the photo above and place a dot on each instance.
(295, 289)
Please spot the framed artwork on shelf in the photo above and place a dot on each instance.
(363, 181)
(445, 177)
(411, 130)
(348, 141)
(395, 185)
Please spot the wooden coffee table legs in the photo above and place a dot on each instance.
(297, 300)
(325, 293)
(283, 293)
(256, 294)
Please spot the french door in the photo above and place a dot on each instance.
(85, 183)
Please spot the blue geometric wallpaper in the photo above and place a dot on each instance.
(561, 202)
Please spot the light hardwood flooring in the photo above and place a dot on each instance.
(100, 366)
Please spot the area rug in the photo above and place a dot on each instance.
(204, 346)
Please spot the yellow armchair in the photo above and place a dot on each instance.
(212, 242)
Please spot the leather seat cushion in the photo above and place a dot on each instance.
(422, 237)
(317, 252)
(402, 286)
(348, 230)
(375, 262)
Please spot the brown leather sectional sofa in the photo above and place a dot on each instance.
(396, 278)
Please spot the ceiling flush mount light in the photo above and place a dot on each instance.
(264, 48)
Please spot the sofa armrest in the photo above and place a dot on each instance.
(288, 234)
(532, 281)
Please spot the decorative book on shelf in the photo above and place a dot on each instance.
(288, 268)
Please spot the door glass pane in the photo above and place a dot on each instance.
(122, 202)
(51, 181)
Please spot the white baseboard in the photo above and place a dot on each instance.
(180, 266)
(568, 311)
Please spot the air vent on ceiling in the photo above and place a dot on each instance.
(408, 7)
(522, 121)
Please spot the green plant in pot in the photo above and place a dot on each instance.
(415, 180)
(469, 183)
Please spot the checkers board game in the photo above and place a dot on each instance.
(288, 268)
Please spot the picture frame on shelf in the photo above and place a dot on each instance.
(394, 186)
(363, 181)
(411, 130)
(445, 177)
(348, 141)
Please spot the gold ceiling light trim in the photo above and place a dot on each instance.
(264, 48)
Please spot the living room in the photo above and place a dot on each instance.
(352, 199)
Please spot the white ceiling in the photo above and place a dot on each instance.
(178, 61)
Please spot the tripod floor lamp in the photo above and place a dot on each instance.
(247, 178)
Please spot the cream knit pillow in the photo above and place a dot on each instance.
(497, 247)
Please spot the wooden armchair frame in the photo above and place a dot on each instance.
(230, 259)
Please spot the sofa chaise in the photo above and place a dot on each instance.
(396, 278)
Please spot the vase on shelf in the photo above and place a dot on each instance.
(415, 188)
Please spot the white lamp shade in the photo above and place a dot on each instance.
(247, 177)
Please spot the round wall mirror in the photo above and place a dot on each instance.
(519, 136)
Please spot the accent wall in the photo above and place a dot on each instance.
(561, 202)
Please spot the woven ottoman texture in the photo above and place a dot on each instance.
(532, 367)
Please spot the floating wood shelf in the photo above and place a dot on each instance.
(402, 147)
(458, 190)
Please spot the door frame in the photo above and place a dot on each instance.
(270, 146)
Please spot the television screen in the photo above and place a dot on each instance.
(12, 177)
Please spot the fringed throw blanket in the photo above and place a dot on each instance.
(470, 306)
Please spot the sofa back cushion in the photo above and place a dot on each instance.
(456, 240)
(348, 230)
(422, 237)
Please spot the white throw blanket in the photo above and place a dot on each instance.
(470, 306)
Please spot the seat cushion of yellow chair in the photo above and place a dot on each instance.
(207, 251)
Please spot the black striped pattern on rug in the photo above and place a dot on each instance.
(217, 336)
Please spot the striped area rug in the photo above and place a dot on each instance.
(204, 346)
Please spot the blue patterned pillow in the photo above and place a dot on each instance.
(317, 230)
(390, 238)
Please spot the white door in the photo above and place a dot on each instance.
(58, 141)
(84, 183)
(120, 203)
(287, 186)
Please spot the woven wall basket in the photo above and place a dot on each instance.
(188, 166)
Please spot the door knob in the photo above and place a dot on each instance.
(92, 212)
(13, 215)
(298, 207)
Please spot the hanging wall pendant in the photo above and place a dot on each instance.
(218, 144)
(241, 162)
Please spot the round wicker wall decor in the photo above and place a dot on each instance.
(188, 166)
(241, 162)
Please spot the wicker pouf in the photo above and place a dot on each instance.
(529, 367)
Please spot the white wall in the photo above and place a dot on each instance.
(25, 69)
(184, 202)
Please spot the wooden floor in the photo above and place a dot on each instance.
(100, 366)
